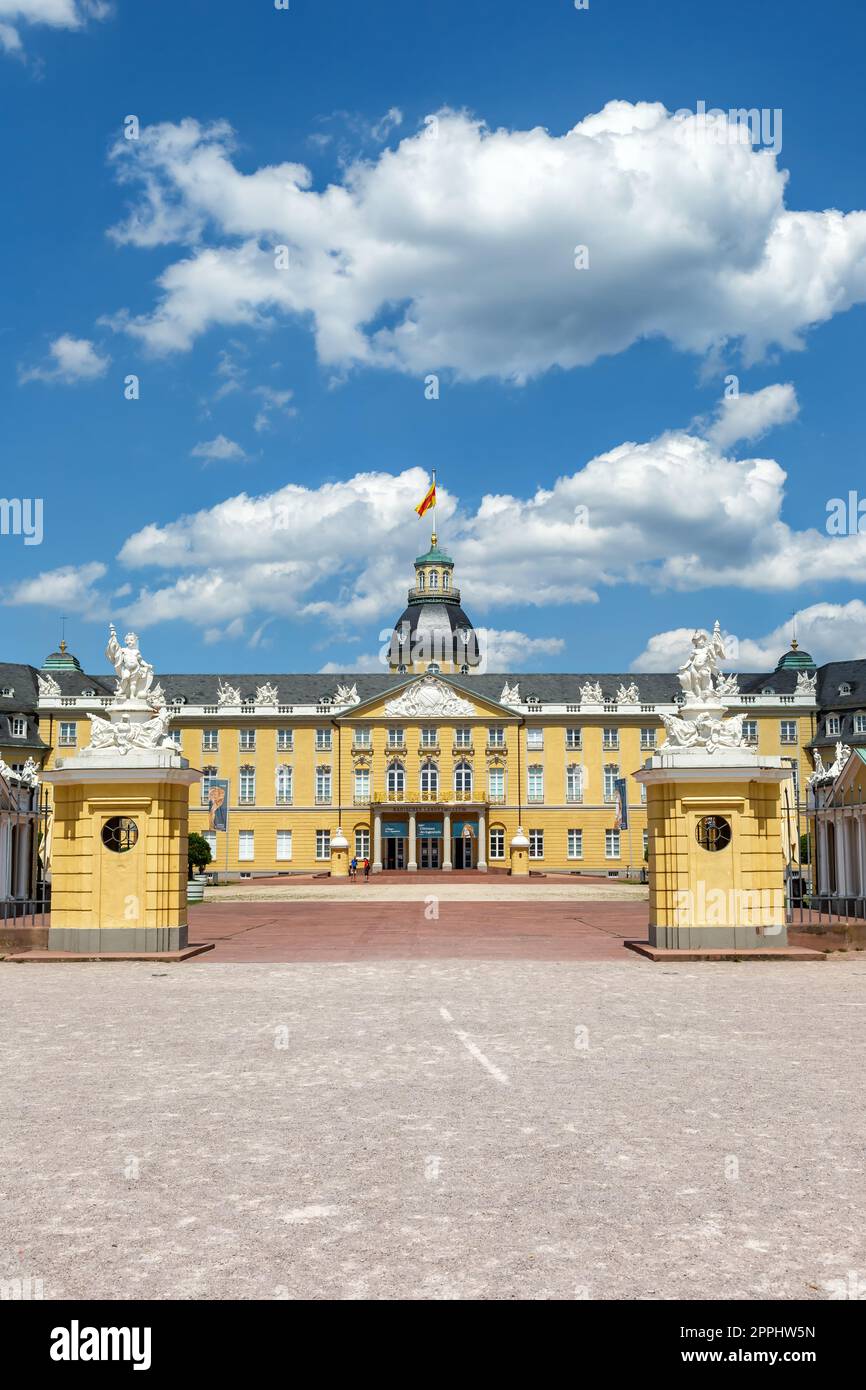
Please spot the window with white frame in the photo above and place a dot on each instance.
(361, 738)
(429, 779)
(534, 738)
(535, 782)
(788, 730)
(574, 738)
(210, 740)
(68, 735)
(647, 738)
(285, 785)
(429, 736)
(463, 736)
(285, 740)
(248, 740)
(496, 784)
(645, 842)
(536, 844)
(574, 782)
(247, 786)
(323, 785)
(210, 837)
(18, 726)
(395, 738)
(496, 736)
(246, 846)
(575, 844)
(860, 723)
(208, 776)
(834, 724)
(643, 794)
(284, 845)
(323, 844)
(362, 843)
(750, 731)
(323, 740)
(611, 773)
(396, 779)
(611, 844)
(610, 738)
(497, 842)
(463, 779)
(362, 785)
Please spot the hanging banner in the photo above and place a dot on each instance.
(395, 829)
(464, 828)
(218, 805)
(429, 829)
(621, 821)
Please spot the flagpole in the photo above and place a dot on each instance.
(434, 506)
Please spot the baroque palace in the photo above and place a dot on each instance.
(435, 763)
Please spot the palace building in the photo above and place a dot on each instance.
(435, 762)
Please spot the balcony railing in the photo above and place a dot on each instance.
(323, 799)
(440, 796)
(359, 799)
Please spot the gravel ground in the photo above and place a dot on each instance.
(415, 890)
(432, 1130)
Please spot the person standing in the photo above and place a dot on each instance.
(366, 869)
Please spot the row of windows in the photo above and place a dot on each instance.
(574, 844)
(834, 724)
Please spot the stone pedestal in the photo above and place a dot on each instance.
(519, 849)
(716, 852)
(119, 851)
(339, 855)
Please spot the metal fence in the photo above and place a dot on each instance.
(818, 902)
(25, 831)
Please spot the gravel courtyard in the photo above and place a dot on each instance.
(434, 1129)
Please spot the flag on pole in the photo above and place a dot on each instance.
(621, 819)
(428, 501)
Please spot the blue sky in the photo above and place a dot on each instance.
(440, 248)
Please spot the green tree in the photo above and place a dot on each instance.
(199, 854)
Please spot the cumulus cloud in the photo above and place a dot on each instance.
(55, 14)
(455, 250)
(70, 360)
(71, 588)
(749, 415)
(828, 631)
(219, 450)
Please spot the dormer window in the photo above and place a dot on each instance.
(434, 579)
(7, 692)
(433, 668)
(845, 689)
(768, 690)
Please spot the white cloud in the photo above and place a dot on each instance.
(219, 450)
(509, 650)
(828, 631)
(456, 249)
(70, 588)
(71, 360)
(56, 14)
(273, 403)
(749, 415)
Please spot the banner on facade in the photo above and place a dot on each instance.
(429, 829)
(621, 821)
(395, 829)
(218, 805)
(464, 829)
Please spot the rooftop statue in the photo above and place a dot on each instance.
(134, 674)
(698, 675)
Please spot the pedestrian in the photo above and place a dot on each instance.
(353, 867)
(366, 869)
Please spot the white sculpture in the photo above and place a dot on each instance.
(591, 693)
(806, 683)
(347, 695)
(30, 773)
(703, 732)
(429, 698)
(727, 685)
(228, 694)
(266, 694)
(134, 674)
(698, 675)
(48, 686)
(123, 735)
(510, 694)
(628, 694)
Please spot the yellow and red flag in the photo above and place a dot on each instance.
(428, 501)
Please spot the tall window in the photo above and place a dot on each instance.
(434, 579)
(611, 773)
(210, 740)
(429, 736)
(246, 846)
(496, 784)
(446, 581)
(284, 785)
(645, 841)
(18, 726)
(750, 731)
(323, 785)
(210, 837)
(361, 738)
(497, 842)
(284, 740)
(496, 736)
(362, 843)
(535, 790)
(247, 786)
(463, 779)
(610, 738)
(284, 845)
(536, 844)
(860, 723)
(420, 579)
(396, 780)
(788, 730)
(611, 844)
(574, 782)
(362, 786)
(833, 724)
(463, 736)
(647, 738)
(68, 735)
(248, 740)
(323, 844)
(575, 844)
(535, 738)
(323, 740)
(429, 779)
(574, 738)
(395, 738)
(208, 776)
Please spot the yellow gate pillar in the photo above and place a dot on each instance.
(121, 818)
(339, 854)
(519, 849)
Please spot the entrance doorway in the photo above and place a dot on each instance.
(429, 853)
(395, 854)
(463, 852)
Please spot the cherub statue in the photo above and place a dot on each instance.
(134, 674)
(697, 675)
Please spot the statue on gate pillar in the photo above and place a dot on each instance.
(134, 674)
